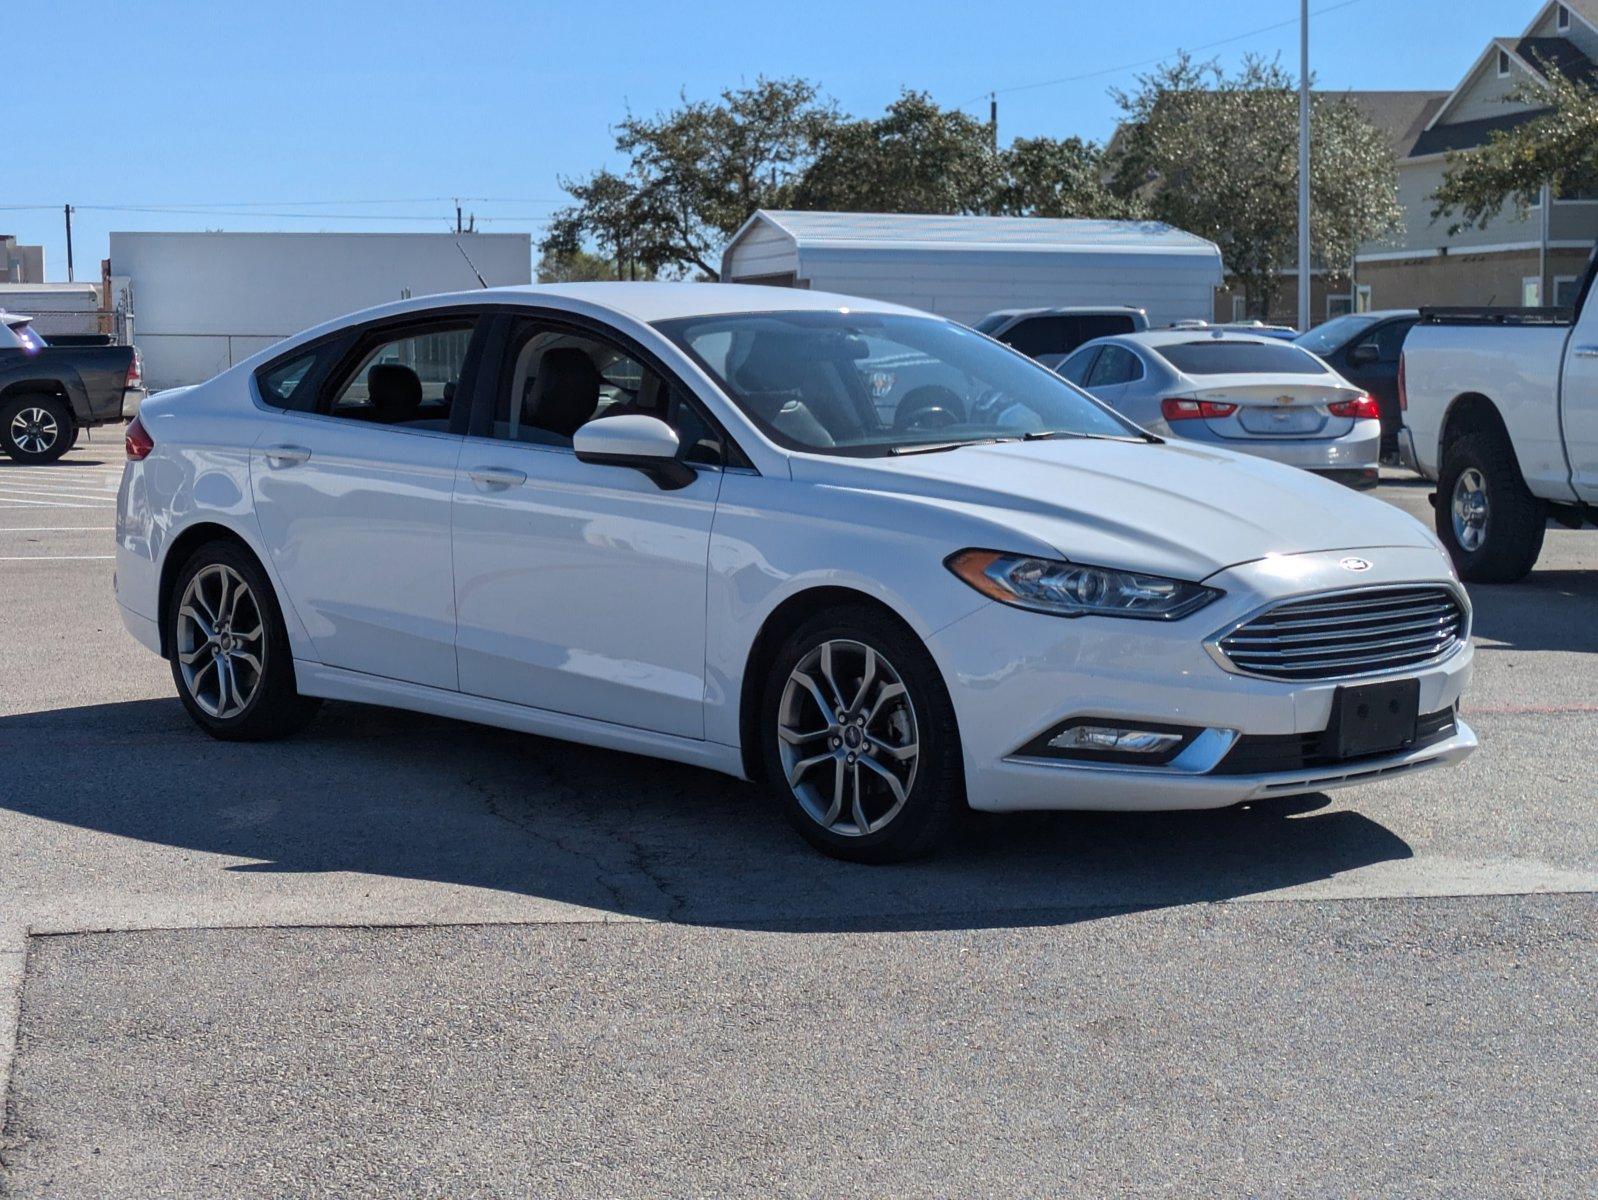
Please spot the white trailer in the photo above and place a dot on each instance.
(203, 301)
(967, 267)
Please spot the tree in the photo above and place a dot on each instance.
(1558, 147)
(573, 266)
(1048, 177)
(915, 158)
(1217, 155)
(695, 174)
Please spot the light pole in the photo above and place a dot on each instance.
(1303, 165)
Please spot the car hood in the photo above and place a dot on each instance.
(1172, 509)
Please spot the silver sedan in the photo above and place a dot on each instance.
(1238, 391)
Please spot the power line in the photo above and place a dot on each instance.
(1148, 62)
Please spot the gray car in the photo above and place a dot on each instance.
(1243, 392)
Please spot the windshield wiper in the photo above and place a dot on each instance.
(1043, 435)
(935, 447)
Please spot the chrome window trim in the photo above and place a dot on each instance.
(1212, 644)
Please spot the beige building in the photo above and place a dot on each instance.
(20, 264)
(1535, 259)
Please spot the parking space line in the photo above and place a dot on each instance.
(57, 528)
(7, 501)
(54, 557)
(75, 494)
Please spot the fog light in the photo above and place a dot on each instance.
(1105, 740)
(1114, 739)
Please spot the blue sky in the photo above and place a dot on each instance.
(394, 107)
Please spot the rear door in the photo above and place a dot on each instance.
(1378, 377)
(353, 485)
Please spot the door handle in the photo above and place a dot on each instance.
(1587, 351)
(286, 456)
(497, 477)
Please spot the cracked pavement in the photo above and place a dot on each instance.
(633, 979)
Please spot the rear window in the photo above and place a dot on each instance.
(1218, 357)
(1063, 334)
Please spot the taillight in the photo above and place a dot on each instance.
(1192, 410)
(1403, 392)
(138, 442)
(1363, 408)
(135, 371)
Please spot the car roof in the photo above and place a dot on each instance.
(1067, 310)
(1173, 337)
(655, 301)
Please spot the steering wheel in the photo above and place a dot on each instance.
(987, 407)
(929, 407)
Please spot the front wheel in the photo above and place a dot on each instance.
(230, 652)
(36, 429)
(859, 738)
(1486, 516)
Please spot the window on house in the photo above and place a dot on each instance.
(1565, 290)
(1562, 17)
(1531, 292)
(1339, 305)
(1239, 308)
(1503, 63)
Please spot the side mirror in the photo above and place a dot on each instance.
(634, 440)
(1363, 354)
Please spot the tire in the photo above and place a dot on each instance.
(263, 702)
(867, 745)
(36, 429)
(1487, 518)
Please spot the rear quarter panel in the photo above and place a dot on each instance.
(1516, 368)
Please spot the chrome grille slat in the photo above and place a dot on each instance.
(1438, 623)
(1347, 634)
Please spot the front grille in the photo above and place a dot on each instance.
(1348, 633)
(1264, 753)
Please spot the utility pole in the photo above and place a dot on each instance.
(1303, 165)
(68, 209)
(993, 119)
(458, 228)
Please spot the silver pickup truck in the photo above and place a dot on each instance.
(1500, 407)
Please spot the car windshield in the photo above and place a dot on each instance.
(1329, 335)
(876, 384)
(1218, 356)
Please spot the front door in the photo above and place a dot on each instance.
(581, 588)
(354, 498)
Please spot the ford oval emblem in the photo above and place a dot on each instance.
(1355, 564)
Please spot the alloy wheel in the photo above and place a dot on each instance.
(848, 738)
(1469, 509)
(34, 430)
(221, 641)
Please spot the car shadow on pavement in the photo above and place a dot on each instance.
(397, 794)
(1548, 610)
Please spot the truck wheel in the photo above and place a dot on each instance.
(36, 429)
(1487, 518)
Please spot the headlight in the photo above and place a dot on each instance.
(1069, 589)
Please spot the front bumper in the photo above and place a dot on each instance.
(1013, 675)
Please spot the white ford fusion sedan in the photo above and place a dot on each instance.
(866, 555)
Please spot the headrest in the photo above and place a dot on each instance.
(565, 391)
(395, 391)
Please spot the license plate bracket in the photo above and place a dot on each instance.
(1374, 718)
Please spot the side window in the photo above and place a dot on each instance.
(1390, 339)
(1076, 367)
(1115, 365)
(554, 381)
(280, 381)
(1043, 335)
(408, 377)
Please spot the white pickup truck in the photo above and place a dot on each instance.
(1500, 407)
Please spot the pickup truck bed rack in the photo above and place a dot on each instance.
(1487, 315)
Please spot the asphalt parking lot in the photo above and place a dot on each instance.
(399, 955)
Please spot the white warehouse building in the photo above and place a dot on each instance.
(203, 301)
(966, 267)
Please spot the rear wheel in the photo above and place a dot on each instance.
(36, 429)
(230, 652)
(859, 738)
(1486, 516)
